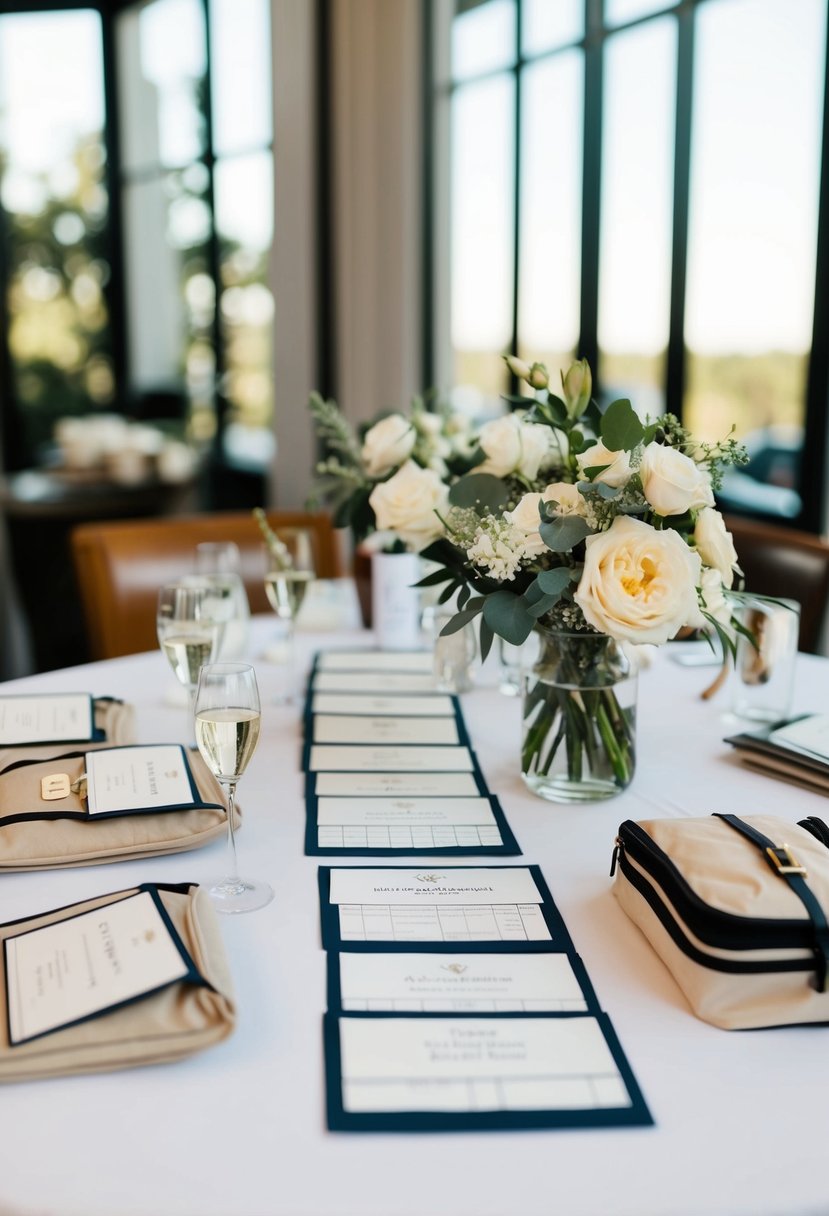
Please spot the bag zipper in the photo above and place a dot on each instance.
(723, 930)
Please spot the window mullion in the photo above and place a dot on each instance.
(675, 364)
(591, 184)
(115, 288)
(812, 487)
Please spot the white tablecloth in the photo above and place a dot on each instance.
(742, 1120)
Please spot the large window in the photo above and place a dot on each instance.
(638, 181)
(136, 183)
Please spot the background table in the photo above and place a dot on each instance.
(741, 1118)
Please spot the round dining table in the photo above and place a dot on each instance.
(741, 1119)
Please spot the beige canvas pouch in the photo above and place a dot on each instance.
(38, 835)
(743, 933)
(168, 1025)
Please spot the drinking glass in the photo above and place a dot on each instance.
(219, 564)
(188, 629)
(289, 571)
(227, 721)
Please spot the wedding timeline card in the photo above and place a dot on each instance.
(60, 718)
(406, 785)
(368, 908)
(341, 728)
(375, 660)
(388, 758)
(89, 964)
(394, 826)
(143, 778)
(412, 683)
(458, 983)
(434, 706)
(441, 1073)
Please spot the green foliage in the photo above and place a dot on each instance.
(565, 533)
(486, 494)
(621, 429)
(507, 615)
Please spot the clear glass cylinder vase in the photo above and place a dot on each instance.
(579, 719)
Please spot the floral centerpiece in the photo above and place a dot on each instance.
(596, 530)
(394, 478)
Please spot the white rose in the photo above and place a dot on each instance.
(527, 517)
(617, 472)
(639, 585)
(672, 483)
(406, 504)
(513, 446)
(569, 500)
(713, 598)
(388, 443)
(715, 544)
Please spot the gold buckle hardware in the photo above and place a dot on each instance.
(784, 860)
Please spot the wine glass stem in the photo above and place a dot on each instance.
(231, 838)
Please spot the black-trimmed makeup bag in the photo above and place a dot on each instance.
(736, 908)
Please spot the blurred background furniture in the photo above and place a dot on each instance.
(119, 568)
(781, 562)
(41, 507)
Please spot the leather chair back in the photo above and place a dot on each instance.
(120, 566)
(792, 565)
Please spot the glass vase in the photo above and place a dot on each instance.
(579, 719)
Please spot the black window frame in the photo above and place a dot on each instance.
(14, 454)
(814, 458)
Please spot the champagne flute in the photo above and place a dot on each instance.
(220, 563)
(188, 629)
(227, 721)
(289, 571)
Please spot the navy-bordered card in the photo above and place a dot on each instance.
(482, 909)
(478, 1073)
(180, 778)
(412, 784)
(89, 963)
(429, 983)
(407, 825)
(28, 720)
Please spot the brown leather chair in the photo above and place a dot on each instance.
(120, 566)
(780, 562)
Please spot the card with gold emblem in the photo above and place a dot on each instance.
(88, 964)
(142, 778)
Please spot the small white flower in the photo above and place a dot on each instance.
(568, 499)
(499, 547)
(518, 367)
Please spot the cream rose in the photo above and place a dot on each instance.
(713, 598)
(638, 584)
(527, 517)
(715, 545)
(387, 444)
(407, 502)
(513, 446)
(618, 470)
(672, 483)
(568, 498)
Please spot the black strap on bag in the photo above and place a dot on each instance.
(781, 861)
(817, 827)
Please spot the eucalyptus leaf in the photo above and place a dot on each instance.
(553, 582)
(564, 533)
(543, 605)
(486, 494)
(437, 576)
(487, 637)
(458, 621)
(507, 615)
(621, 429)
(607, 492)
(594, 470)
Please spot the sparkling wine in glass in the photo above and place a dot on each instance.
(220, 563)
(188, 629)
(227, 721)
(289, 572)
